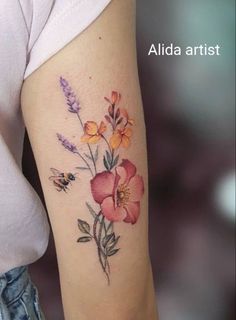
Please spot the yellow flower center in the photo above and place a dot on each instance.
(123, 194)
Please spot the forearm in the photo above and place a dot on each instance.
(102, 252)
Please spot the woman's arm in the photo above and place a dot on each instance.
(83, 113)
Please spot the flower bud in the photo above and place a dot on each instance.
(111, 111)
(108, 118)
(117, 113)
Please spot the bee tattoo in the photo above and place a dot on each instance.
(62, 180)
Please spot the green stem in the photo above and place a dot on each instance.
(109, 147)
(103, 226)
(91, 153)
(85, 161)
(100, 251)
(89, 147)
(112, 156)
(112, 151)
(100, 229)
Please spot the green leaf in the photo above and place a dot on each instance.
(105, 163)
(84, 239)
(112, 245)
(115, 161)
(96, 155)
(112, 252)
(109, 160)
(107, 240)
(109, 227)
(91, 210)
(83, 226)
(119, 121)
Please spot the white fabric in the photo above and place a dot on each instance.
(31, 31)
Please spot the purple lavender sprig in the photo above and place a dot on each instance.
(71, 99)
(66, 143)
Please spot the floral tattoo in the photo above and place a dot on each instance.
(116, 189)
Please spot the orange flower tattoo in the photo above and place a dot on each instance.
(115, 98)
(125, 114)
(121, 138)
(93, 132)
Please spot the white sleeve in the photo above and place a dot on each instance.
(67, 19)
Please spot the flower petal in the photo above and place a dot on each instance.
(91, 128)
(124, 113)
(136, 187)
(125, 143)
(133, 212)
(115, 140)
(102, 186)
(122, 173)
(115, 97)
(85, 138)
(127, 132)
(129, 168)
(102, 128)
(112, 213)
(94, 139)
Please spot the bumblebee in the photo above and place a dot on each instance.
(61, 180)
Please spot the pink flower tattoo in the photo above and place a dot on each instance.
(119, 193)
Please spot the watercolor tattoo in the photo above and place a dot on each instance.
(115, 186)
